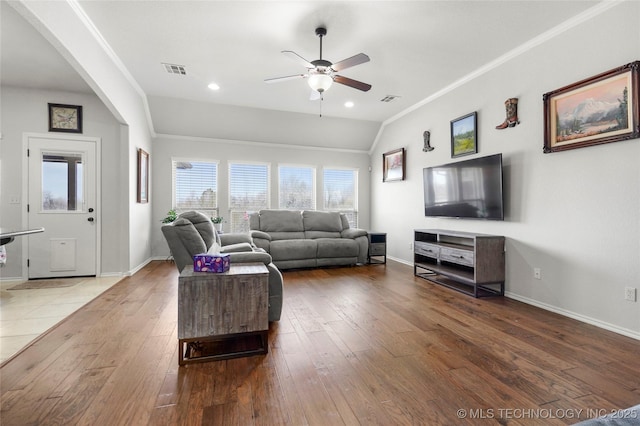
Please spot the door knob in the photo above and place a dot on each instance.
(90, 219)
(90, 209)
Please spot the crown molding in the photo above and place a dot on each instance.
(588, 14)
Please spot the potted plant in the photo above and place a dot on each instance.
(217, 222)
(171, 216)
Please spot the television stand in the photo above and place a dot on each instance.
(471, 263)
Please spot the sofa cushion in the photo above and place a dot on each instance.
(321, 221)
(287, 236)
(345, 221)
(204, 226)
(293, 249)
(189, 236)
(312, 235)
(337, 247)
(280, 221)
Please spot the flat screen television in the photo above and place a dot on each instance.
(465, 189)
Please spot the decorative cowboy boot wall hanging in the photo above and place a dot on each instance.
(511, 105)
(427, 141)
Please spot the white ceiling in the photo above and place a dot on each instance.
(416, 48)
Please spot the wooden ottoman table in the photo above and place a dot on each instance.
(223, 315)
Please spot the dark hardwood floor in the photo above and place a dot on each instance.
(362, 345)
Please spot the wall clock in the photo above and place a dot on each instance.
(65, 118)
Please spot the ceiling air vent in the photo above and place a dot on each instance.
(389, 98)
(175, 69)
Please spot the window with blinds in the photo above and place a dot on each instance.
(248, 192)
(195, 186)
(296, 187)
(340, 193)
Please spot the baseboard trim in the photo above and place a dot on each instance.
(138, 268)
(110, 274)
(404, 262)
(582, 318)
(17, 280)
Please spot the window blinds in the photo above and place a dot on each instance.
(195, 185)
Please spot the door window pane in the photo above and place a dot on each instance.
(62, 187)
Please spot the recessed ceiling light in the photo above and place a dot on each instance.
(213, 86)
(349, 104)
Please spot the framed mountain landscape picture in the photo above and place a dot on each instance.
(593, 111)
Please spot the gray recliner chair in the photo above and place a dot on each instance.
(193, 233)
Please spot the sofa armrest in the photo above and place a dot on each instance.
(250, 257)
(235, 238)
(236, 248)
(260, 234)
(353, 233)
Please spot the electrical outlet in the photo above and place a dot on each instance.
(537, 273)
(410, 246)
(630, 293)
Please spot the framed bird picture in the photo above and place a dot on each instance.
(65, 118)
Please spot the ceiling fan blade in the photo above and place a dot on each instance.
(352, 83)
(285, 78)
(293, 55)
(358, 59)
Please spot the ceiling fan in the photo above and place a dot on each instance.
(322, 73)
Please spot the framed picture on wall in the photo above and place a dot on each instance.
(464, 135)
(393, 165)
(65, 118)
(143, 176)
(597, 110)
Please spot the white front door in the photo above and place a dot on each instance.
(62, 200)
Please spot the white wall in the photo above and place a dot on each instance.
(574, 214)
(191, 118)
(69, 30)
(25, 110)
(224, 151)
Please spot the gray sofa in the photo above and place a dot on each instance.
(193, 233)
(308, 238)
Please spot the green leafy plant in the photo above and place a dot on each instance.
(171, 216)
(217, 219)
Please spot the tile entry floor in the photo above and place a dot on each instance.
(26, 314)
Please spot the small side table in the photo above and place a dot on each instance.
(377, 247)
(223, 315)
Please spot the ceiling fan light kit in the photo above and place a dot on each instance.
(320, 82)
(321, 73)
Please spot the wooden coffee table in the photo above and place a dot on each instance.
(223, 315)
